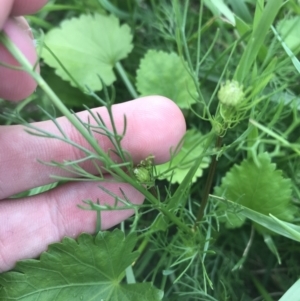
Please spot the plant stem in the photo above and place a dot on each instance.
(84, 132)
(126, 80)
(207, 187)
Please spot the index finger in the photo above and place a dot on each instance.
(18, 8)
(154, 126)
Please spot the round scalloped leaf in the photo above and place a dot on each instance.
(191, 149)
(164, 74)
(90, 268)
(88, 47)
(258, 187)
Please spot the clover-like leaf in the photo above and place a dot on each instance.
(90, 268)
(259, 187)
(165, 74)
(176, 170)
(88, 47)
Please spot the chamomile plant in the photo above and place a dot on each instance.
(144, 171)
(231, 185)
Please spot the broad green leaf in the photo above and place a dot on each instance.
(288, 51)
(180, 165)
(241, 26)
(90, 268)
(224, 10)
(289, 32)
(272, 246)
(219, 8)
(258, 187)
(165, 74)
(241, 9)
(261, 25)
(293, 292)
(36, 190)
(285, 229)
(71, 96)
(291, 229)
(88, 47)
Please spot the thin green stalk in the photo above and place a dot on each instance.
(126, 80)
(252, 138)
(79, 126)
(182, 24)
(130, 278)
(199, 39)
(207, 187)
(20, 107)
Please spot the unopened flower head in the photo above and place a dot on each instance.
(231, 93)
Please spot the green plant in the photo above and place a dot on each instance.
(231, 66)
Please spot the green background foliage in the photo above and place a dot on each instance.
(176, 170)
(201, 233)
(258, 186)
(90, 268)
(87, 47)
(166, 74)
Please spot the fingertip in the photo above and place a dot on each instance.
(173, 126)
(15, 84)
(21, 7)
(159, 126)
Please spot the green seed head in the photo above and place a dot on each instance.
(231, 93)
(142, 174)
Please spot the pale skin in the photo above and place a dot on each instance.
(28, 225)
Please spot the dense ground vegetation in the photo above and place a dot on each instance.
(220, 221)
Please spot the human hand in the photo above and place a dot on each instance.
(16, 85)
(28, 225)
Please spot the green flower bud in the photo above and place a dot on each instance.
(142, 174)
(231, 93)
